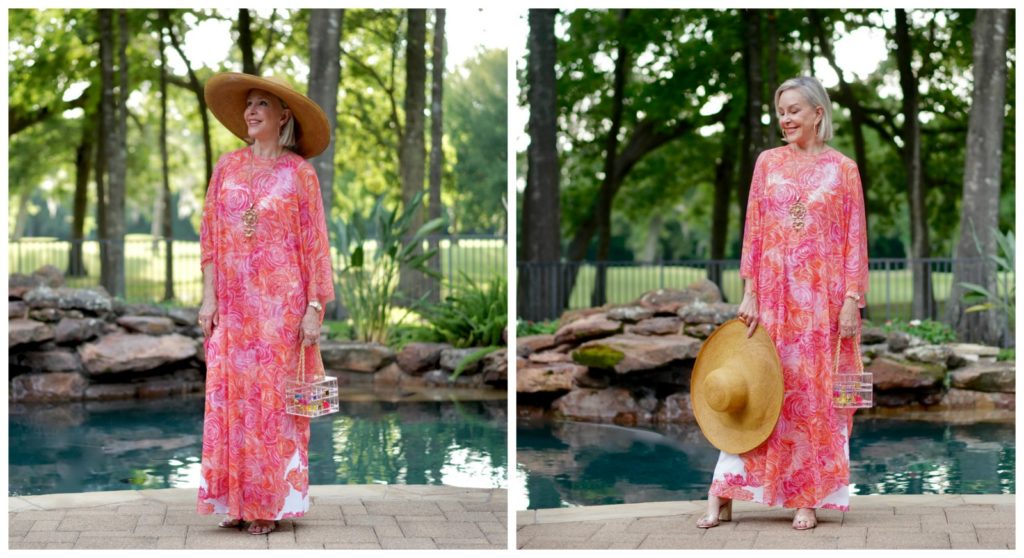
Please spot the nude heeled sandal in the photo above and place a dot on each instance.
(724, 514)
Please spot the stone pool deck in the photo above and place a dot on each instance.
(900, 522)
(340, 517)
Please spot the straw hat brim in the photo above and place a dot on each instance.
(757, 361)
(226, 93)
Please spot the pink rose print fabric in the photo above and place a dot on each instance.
(803, 264)
(255, 457)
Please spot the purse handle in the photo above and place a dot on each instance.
(835, 367)
(302, 362)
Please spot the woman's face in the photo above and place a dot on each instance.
(264, 116)
(797, 118)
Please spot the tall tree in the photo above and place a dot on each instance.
(108, 111)
(245, 42)
(324, 77)
(193, 84)
(437, 58)
(753, 129)
(725, 174)
(83, 166)
(982, 177)
(923, 304)
(167, 219)
(539, 282)
(412, 155)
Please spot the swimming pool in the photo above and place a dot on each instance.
(564, 464)
(158, 443)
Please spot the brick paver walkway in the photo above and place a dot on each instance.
(375, 516)
(925, 521)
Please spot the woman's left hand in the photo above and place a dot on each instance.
(309, 329)
(848, 318)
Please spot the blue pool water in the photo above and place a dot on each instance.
(158, 443)
(562, 464)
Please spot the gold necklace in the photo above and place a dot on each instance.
(249, 216)
(798, 211)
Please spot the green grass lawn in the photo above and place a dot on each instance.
(480, 259)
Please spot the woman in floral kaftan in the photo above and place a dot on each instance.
(805, 268)
(266, 276)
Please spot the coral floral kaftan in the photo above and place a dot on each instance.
(255, 456)
(801, 274)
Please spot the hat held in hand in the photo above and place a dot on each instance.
(736, 387)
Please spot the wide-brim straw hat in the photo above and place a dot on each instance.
(736, 387)
(226, 94)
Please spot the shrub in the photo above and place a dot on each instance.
(524, 328)
(474, 315)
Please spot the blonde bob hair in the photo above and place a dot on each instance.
(816, 96)
(286, 137)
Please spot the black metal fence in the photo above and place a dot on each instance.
(546, 289)
(479, 257)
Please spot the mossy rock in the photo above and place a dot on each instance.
(598, 356)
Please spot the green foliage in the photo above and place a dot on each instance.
(474, 315)
(598, 356)
(929, 330)
(372, 254)
(1004, 299)
(1006, 355)
(524, 327)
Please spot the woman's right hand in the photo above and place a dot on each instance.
(748, 312)
(208, 315)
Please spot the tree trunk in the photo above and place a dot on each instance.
(437, 58)
(119, 165)
(245, 41)
(611, 152)
(772, 75)
(540, 288)
(197, 89)
(649, 253)
(923, 305)
(100, 173)
(412, 154)
(725, 173)
(168, 214)
(324, 77)
(753, 136)
(982, 176)
(110, 147)
(83, 166)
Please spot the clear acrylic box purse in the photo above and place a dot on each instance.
(851, 389)
(311, 398)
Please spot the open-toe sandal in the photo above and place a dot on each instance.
(805, 519)
(712, 520)
(230, 523)
(260, 527)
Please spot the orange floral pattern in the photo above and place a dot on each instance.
(803, 264)
(255, 456)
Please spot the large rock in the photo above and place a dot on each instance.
(987, 377)
(529, 344)
(150, 310)
(631, 314)
(71, 331)
(932, 354)
(51, 387)
(389, 376)
(970, 352)
(958, 399)
(19, 284)
(50, 276)
(451, 358)
(669, 301)
(554, 377)
(899, 341)
(570, 316)
(664, 325)
(416, 358)
(872, 336)
(94, 299)
(899, 383)
(703, 313)
(122, 352)
(184, 316)
(106, 392)
(675, 409)
(629, 353)
(150, 325)
(354, 356)
(17, 310)
(615, 404)
(549, 357)
(46, 315)
(699, 331)
(597, 325)
(495, 368)
(21, 332)
(59, 360)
